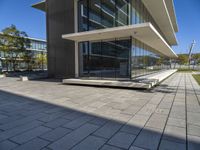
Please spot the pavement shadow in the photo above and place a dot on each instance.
(28, 123)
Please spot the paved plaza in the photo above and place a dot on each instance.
(50, 116)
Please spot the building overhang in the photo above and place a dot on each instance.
(160, 13)
(171, 10)
(144, 32)
(40, 5)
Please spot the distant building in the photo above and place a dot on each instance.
(37, 46)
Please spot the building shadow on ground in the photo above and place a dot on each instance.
(81, 130)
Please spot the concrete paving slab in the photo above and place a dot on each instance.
(7, 145)
(109, 147)
(109, 129)
(169, 145)
(27, 136)
(193, 142)
(74, 137)
(149, 138)
(175, 134)
(55, 134)
(35, 144)
(100, 114)
(86, 144)
(122, 140)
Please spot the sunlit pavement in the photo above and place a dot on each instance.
(48, 115)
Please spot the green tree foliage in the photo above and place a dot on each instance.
(196, 58)
(182, 59)
(13, 43)
(28, 58)
(41, 60)
(160, 61)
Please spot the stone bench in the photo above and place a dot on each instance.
(107, 83)
(2, 75)
(23, 78)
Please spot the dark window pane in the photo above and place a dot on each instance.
(105, 59)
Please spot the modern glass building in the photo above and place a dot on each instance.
(109, 39)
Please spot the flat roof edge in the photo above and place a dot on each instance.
(144, 32)
(39, 5)
(154, 29)
(159, 11)
(107, 29)
(172, 12)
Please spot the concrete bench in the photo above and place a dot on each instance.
(108, 83)
(2, 75)
(23, 78)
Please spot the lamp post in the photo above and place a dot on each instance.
(190, 52)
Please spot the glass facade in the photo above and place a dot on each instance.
(144, 60)
(99, 14)
(110, 58)
(139, 14)
(114, 58)
(105, 59)
(38, 45)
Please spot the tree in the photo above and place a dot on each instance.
(160, 61)
(4, 49)
(183, 59)
(41, 60)
(196, 58)
(13, 44)
(28, 58)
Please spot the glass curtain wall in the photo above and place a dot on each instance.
(115, 58)
(107, 58)
(99, 14)
(139, 14)
(145, 60)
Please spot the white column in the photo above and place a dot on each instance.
(76, 43)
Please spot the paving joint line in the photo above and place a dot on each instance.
(132, 144)
(85, 137)
(125, 124)
(194, 91)
(169, 113)
(186, 112)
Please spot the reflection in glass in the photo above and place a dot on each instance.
(105, 59)
(99, 14)
(115, 58)
(145, 61)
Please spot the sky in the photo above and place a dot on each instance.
(32, 21)
(26, 18)
(188, 18)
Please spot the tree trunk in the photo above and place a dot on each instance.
(7, 65)
(6, 61)
(13, 65)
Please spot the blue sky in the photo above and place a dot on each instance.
(32, 21)
(26, 18)
(188, 17)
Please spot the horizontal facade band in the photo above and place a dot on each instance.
(40, 5)
(160, 12)
(144, 32)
